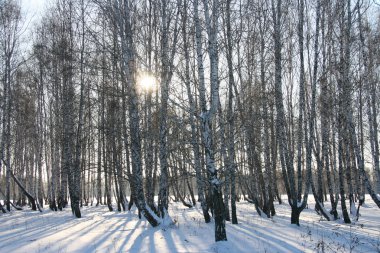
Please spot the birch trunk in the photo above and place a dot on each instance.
(318, 195)
(231, 118)
(207, 117)
(122, 14)
(285, 150)
(192, 103)
(370, 95)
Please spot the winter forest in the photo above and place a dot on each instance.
(190, 126)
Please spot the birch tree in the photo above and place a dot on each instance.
(192, 101)
(122, 12)
(281, 125)
(10, 25)
(207, 116)
(370, 96)
(230, 116)
(167, 58)
(202, 93)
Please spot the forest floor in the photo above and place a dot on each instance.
(102, 231)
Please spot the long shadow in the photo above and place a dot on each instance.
(275, 244)
(116, 221)
(39, 229)
(162, 239)
(138, 241)
(31, 226)
(126, 239)
(363, 236)
(170, 241)
(104, 239)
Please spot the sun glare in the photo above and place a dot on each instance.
(147, 83)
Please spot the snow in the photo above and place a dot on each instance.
(153, 214)
(102, 231)
(167, 221)
(353, 209)
(327, 212)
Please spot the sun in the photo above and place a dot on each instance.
(147, 82)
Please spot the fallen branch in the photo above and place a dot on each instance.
(16, 207)
(31, 199)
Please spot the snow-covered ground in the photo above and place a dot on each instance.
(103, 231)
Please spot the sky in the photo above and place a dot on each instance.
(32, 13)
(33, 8)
